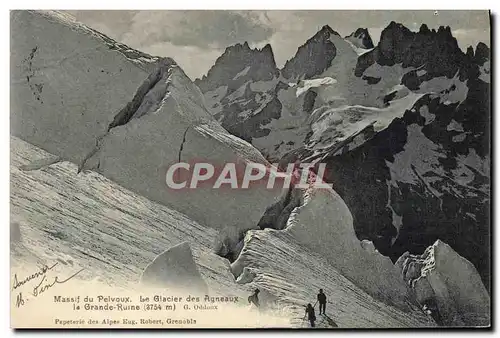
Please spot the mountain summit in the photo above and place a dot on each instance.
(238, 64)
(313, 57)
(435, 52)
(360, 38)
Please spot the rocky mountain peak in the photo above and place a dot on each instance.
(470, 52)
(313, 57)
(360, 38)
(394, 39)
(327, 30)
(424, 29)
(436, 52)
(240, 61)
(482, 53)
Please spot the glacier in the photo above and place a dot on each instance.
(94, 127)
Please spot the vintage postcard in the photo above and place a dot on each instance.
(250, 169)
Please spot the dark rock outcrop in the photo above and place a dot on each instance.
(360, 38)
(238, 65)
(313, 57)
(436, 52)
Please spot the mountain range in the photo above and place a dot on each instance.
(405, 122)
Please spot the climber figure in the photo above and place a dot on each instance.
(310, 314)
(254, 298)
(322, 301)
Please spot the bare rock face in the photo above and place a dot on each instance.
(360, 38)
(447, 285)
(238, 65)
(436, 52)
(173, 268)
(320, 47)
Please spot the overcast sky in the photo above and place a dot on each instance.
(195, 39)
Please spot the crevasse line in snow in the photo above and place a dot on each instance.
(275, 217)
(288, 208)
(139, 105)
(148, 97)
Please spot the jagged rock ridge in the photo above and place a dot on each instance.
(237, 65)
(432, 53)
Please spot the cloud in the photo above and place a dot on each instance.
(196, 38)
(204, 29)
(195, 61)
(112, 23)
(471, 37)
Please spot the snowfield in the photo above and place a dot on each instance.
(305, 85)
(130, 130)
(87, 221)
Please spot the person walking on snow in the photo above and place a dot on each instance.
(310, 314)
(322, 301)
(254, 298)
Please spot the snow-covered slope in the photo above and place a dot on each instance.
(321, 222)
(62, 68)
(104, 112)
(88, 221)
(448, 285)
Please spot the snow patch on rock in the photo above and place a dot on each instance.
(419, 158)
(213, 98)
(427, 115)
(305, 85)
(473, 160)
(454, 126)
(242, 73)
(359, 50)
(485, 72)
(459, 138)
(450, 90)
